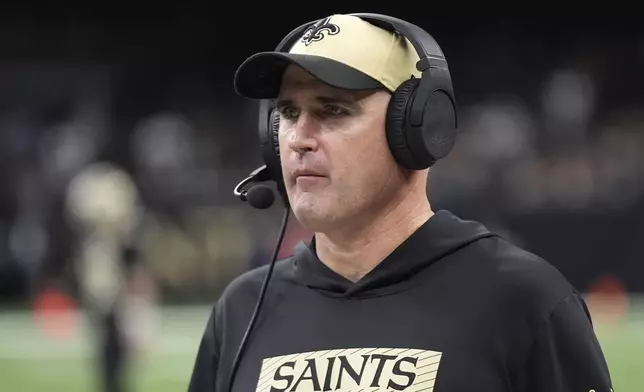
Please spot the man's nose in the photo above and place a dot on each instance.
(303, 136)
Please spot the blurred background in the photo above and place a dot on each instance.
(121, 139)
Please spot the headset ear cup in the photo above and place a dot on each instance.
(276, 156)
(269, 144)
(439, 127)
(395, 124)
(275, 128)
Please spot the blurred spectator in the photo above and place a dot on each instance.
(116, 290)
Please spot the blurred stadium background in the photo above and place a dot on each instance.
(121, 140)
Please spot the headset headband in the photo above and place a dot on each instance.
(428, 50)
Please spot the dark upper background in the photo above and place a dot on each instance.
(551, 150)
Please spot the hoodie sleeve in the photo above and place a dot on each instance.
(204, 373)
(566, 355)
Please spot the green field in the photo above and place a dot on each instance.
(29, 362)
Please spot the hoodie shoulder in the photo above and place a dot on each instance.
(528, 280)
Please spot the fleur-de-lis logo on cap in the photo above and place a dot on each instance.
(318, 30)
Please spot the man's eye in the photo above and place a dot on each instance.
(334, 110)
(288, 112)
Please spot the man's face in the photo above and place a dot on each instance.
(337, 166)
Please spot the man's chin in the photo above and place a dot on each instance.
(311, 213)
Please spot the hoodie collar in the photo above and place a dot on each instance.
(442, 234)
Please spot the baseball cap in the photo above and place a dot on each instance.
(342, 51)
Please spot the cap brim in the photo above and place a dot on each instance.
(260, 76)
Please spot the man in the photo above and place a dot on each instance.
(389, 295)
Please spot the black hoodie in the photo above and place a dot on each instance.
(455, 308)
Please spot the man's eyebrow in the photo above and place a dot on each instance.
(280, 103)
(336, 99)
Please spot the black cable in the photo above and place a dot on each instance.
(260, 300)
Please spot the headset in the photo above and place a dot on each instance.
(421, 128)
(421, 119)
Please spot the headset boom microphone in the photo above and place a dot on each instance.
(260, 197)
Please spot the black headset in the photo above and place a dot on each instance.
(421, 117)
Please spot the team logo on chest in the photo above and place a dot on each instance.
(319, 30)
(354, 369)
